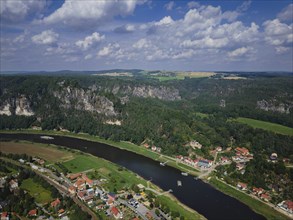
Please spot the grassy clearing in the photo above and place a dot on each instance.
(280, 129)
(118, 177)
(51, 153)
(254, 204)
(40, 194)
(201, 115)
(174, 206)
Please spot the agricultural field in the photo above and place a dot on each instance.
(161, 76)
(40, 194)
(48, 153)
(280, 129)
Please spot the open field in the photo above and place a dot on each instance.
(254, 204)
(40, 194)
(182, 75)
(49, 153)
(280, 129)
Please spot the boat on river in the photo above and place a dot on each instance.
(47, 137)
(179, 183)
(184, 174)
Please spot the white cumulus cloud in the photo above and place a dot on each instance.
(90, 41)
(18, 10)
(47, 37)
(81, 14)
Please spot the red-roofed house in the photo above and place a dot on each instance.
(80, 184)
(242, 150)
(242, 186)
(116, 213)
(87, 180)
(61, 212)
(110, 202)
(55, 203)
(4, 216)
(73, 176)
(257, 191)
(265, 197)
(289, 205)
(72, 190)
(33, 212)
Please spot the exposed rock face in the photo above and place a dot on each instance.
(18, 106)
(5, 109)
(270, 106)
(147, 91)
(87, 100)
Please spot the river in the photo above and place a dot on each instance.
(196, 194)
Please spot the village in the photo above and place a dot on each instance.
(87, 193)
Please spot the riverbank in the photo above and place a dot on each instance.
(121, 145)
(255, 204)
(118, 178)
(124, 146)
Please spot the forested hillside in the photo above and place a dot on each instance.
(141, 109)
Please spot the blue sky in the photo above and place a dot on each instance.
(167, 35)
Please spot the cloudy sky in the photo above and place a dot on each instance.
(146, 34)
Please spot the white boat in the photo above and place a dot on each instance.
(179, 183)
(162, 164)
(47, 137)
(184, 174)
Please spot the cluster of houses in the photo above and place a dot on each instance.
(201, 163)
(259, 192)
(84, 189)
(241, 158)
(153, 148)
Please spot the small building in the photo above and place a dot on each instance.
(154, 148)
(265, 197)
(140, 186)
(205, 163)
(242, 186)
(225, 160)
(61, 212)
(33, 213)
(257, 191)
(87, 180)
(286, 205)
(146, 145)
(115, 212)
(112, 196)
(21, 161)
(13, 184)
(79, 184)
(72, 190)
(55, 203)
(219, 149)
(73, 176)
(4, 216)
(110, 202)
(242, 151)
(274, 157)
(240, 166)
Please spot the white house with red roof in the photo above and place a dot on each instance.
(116, 212)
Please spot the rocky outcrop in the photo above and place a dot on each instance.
(18, 106)
(87, 100)
(147, 91)
(271, 106)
